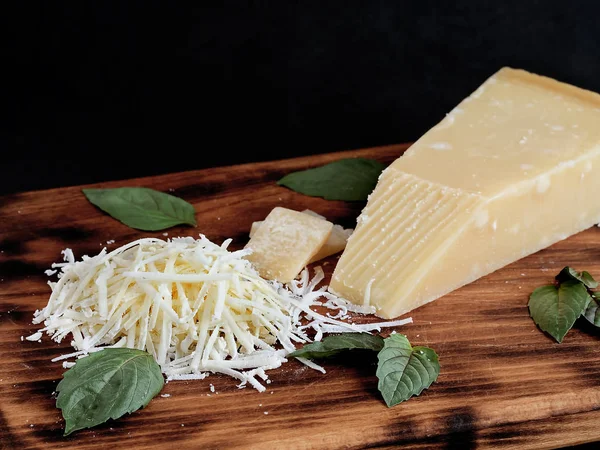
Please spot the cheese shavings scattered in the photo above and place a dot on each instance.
(194, 305)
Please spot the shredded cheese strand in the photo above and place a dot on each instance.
(194, 305)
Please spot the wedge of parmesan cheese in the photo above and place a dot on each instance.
(335, 243)
(285, 243)
(508, 172)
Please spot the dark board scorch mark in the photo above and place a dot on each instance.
(8, 440)
(67, 234)
(456, 431)
(13, 247)
(460, 429)
(17, 268)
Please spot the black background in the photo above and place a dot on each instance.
(99, 91)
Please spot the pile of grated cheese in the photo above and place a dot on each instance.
(197, 307)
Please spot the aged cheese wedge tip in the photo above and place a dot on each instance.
(506, 173)
(285, 242)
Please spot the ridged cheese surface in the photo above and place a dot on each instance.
(508, 172)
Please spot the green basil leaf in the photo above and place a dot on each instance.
(106, 385)
(143, 208)
(592, 312)
(568, 273)
(332, 345)
(555, 310)
(351, 179)
(404, 371)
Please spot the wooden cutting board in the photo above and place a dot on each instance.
(502, 381)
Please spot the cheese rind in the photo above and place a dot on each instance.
(285, 243)
(505, 174)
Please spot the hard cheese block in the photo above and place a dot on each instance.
(335, 243)
(506, 173)
(285, 242)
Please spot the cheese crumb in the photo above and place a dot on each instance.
(35, 336)
(441, 146)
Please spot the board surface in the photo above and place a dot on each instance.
(503, 383)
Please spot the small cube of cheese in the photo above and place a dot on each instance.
(285, 242)
(334, 244)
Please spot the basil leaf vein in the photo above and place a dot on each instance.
(404, 371)
(332, 345)
(351, 179)
(555, 309)
(143, 208)
(568, 273)
(106, 385)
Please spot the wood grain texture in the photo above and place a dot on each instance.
(503, 383)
